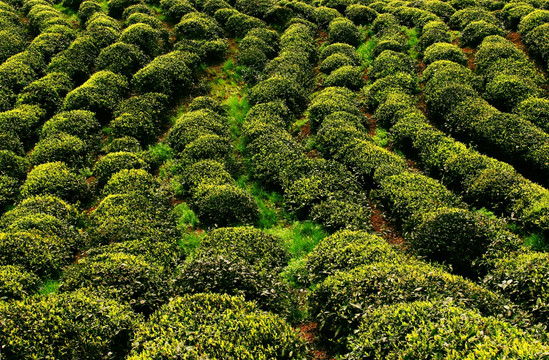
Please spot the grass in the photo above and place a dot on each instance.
(190, 242)
(300, 238)
(536, 242)
(365, 52)
(186, 218)
(381, 138)
(413, 39)
(237, 108)
(49, 287)
(271, 213)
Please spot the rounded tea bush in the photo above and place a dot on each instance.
(193, 124)
(112, 163)
(339, 48)
(223, 272)
(16, 282)
(334, 62)
(79, 123)
(535, 110)
(123, 144)
(146, 38)
(44, 204)
(342, 30)
(507, 91)
(47, 92)
(475, 32)
(206, 171)
(75, 325)
(339, 302)
(223, 205)
(360, 14)
(264, 251)
(189, 326)
(56, 179)
(48, 225)
(420, 327)
(444, 51)
(345, 250)
(390, 63)
(128, 278)
(197, 26)
(279, 88)
(44, 255)
(205, 147)
(129, 181)
(13, 165)
(522, 279)
(70, 149)
(121, 58)
(350, 77)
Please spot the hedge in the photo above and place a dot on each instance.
(239, 24)
(346, 250)
(206, 171)
(23, 121)
(124, 144)
(76, 61)
(128, 278)
(224, 205)
(506, 91)
(67, 326)
(512, 13)
(55, 178)
(334, 62)
(16, 282)
(339, 48)
(461, 18)
(167, 74)
(475, 32)
(184, 327)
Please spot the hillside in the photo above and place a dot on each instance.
(274, 179)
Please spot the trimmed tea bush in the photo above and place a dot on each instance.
(444, 51)
(166, 74)
(16, 283)
(129, 181)
(476, 31)
(44, 255)
(342, 30)
(61, 147)
(121, 58)
(79, 324)
(194, 124)
(128, 278)
(47, 92)
(55, 179)
(13, 165)
(535, 110)
(223, 205)
(506, 91)
(197, 26)
(146, 38)
(279, 88)
(360, 14)
(350, 77)
(79, 123)
(112, 163)
(346, 250)
(185, 326)
(389, 63)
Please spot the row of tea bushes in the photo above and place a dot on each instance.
(14, 37)
(364, 286)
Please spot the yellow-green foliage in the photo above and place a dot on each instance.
(57, 179)
(76, 325)
(410, 330)
(61, 147)
(16, 282)
(112, 163)
(346, 250)
(190, 326)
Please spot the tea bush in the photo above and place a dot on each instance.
(350, 77)
(79, 123)
(47, 92)
(121, 58)
(184, 327)
(79, 324)
(16, 283)
(342, 30)
(55, 178)
(61, 147)
(112, 163)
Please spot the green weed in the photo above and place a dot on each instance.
(413, 39)
(49, 287)
(301, 237)
(190, 242)
(186, 218)
(536, 242)
(271, 212)
(365, 52)
(381, 138)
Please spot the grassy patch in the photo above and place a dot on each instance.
(413, 39)
(190, 242)
(381, 138)
(237, 108)
(49, 287)
(301, 237)
(186, 218)
(536, 242)
(365, 52)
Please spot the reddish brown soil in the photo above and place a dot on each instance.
(322, 37)
(371, 125)
(514, 37)
(313, 154)
(310, 332)
(471, 55)
(385, 228)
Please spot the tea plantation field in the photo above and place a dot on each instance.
(274, 179)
